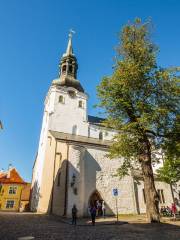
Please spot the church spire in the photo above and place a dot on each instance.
(68, 67)
(69, 50)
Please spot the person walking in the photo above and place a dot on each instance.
(174, 210)
(74, 214)
(93, 215)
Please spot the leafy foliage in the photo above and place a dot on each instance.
(140, 99)
(170, 172)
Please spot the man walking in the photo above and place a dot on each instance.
(93, 214)
(74, 214)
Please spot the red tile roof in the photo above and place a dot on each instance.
(12, 176)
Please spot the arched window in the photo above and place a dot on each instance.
(61, 99)
(100, 136)
(64, 68)
(74, 130)
(80, 104)
(70, 68)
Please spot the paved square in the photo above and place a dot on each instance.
(33, 226)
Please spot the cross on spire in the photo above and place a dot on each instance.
(71, 32)
(69, 50)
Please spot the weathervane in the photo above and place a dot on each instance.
(71, 32)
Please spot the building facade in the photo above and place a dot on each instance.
(71, 165)
(11, 189)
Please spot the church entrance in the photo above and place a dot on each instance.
(96, 200)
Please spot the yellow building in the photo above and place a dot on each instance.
(11, 188)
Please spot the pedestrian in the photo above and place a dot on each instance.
(174, 210)
(93, 214)
(74, 214)
(103, 209)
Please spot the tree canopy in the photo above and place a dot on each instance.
(141, 101)
(140, 98)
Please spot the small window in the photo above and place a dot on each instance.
(59, 179)
(61, 99)
(70, 68)
(71, 93)
(64, 68)
(12, 189)
(100, 136)
(10, 204)
(80, 104)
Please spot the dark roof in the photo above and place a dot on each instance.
(95, 120)
(80, 139)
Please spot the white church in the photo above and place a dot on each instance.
(71, 166)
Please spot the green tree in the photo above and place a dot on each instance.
(140, 100)
(170, 172)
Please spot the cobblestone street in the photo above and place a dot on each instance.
(16, 226)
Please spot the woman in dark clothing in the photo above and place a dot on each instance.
(93, 214)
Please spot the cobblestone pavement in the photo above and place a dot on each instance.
(16, 226)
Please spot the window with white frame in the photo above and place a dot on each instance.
(10, 203)
(12, 190)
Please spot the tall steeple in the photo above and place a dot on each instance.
(68, 68)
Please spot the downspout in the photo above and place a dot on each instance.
(66, 182)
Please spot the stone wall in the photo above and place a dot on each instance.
(93, 171)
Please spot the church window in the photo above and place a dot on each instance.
(144, 196)
(100, 136)
(80, 104)
(71, 93)
(70, 68)
(59, 179)
(61, 99)
(64, 69)
(161, 195)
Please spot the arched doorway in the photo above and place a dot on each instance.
(95, 196)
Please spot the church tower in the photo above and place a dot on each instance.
(67, 97)
(65, 112)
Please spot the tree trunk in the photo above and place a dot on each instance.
(152, 199)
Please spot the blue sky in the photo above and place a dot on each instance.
(33, 36)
